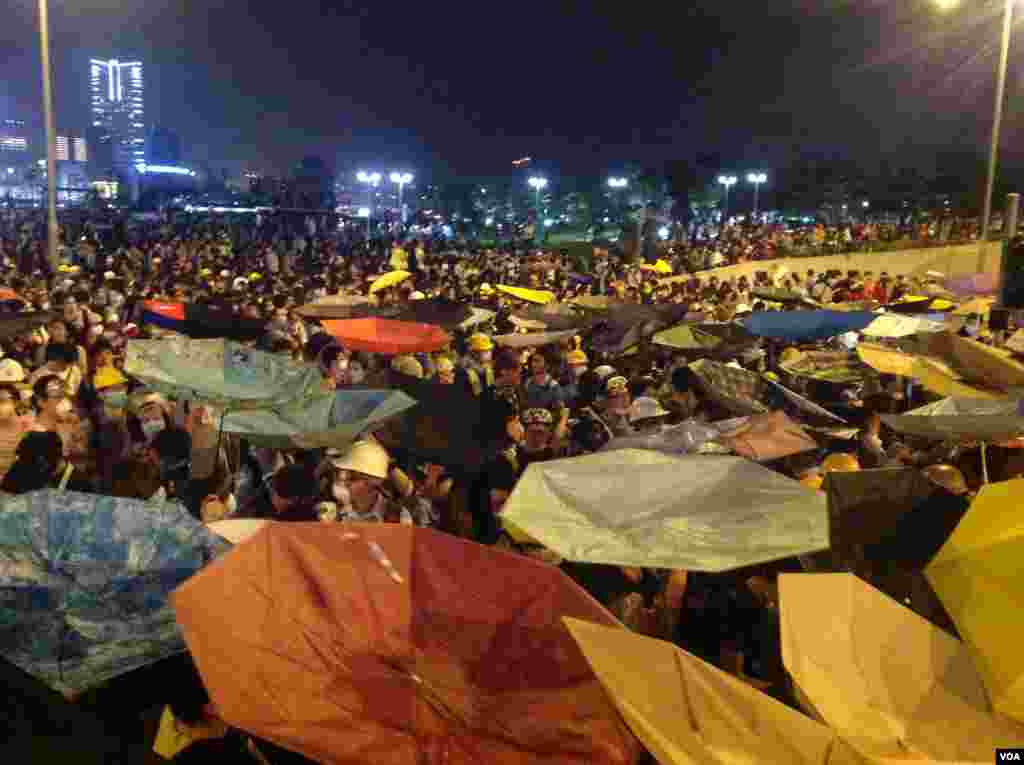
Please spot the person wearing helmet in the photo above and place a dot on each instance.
(478, 364)
(576, 362)
(840, 462)
(615, 411)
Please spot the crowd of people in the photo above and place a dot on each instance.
(71, 418)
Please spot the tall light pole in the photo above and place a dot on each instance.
(401, 179)
(757, 179)
(538, 184)
(53, 230)
(617, 185)
(727, 181)
(372, 180)
(997, 119)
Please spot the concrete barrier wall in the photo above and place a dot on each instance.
(959, 260)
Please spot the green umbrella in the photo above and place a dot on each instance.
(686, 338)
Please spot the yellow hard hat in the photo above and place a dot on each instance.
(947, 477)
(576, 357)
(813, 481)
(480, 342)
(771, 376)
(841, 462)
(206, 272)
(486, 289)
(254, 277)
(789, 355)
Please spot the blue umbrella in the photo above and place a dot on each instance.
(807, 325)
(84, 583)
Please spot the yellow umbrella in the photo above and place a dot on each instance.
(687, 712)
(390, 279)
(980, 306)
(888, 361)
(541, 297)
(889, 683)
(662, 267)
(979, 577)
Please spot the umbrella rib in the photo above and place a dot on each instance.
(691, 715)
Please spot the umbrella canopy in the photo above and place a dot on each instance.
(803, 405)
(533, 339)
(896, 325)
(540, 297)
(684, 438)
(766, 437)
(828, 366)
(390, 279)
(966, 361)
(85, 580)
(414, 644)
(981, 306)
(642, 508)
(630, 324)
(12, 325)
(921, 304)
(738, 390)
(237, 530)
(387, 335)
(477, 316)
(431, 432)
(440, 312)
(202, 321)
(779, 295)
(334, 419)
(977, 575)
(659, 267)
(553, 316)
(336, 307)
(888, 682)
(10, 296)
(975, 284)
(806, 325)
(960, 419)
(686, 338)
(222, 373)
(531, 324)
(687, 712)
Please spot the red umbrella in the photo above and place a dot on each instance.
(387, 335)
(389, 644)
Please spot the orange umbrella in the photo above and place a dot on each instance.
(390, 644)
(10, 296)
(387, 335)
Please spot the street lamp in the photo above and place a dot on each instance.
(401, 179)
(728, 181)
(757, 179)
(538, 184)
(53, 231)
(372, 180)
(618, 183)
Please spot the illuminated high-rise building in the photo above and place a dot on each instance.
(13, 140)
(71, 148)
(118, 112)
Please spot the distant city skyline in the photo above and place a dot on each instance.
(117, 107)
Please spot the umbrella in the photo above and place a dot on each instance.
(688, 712)
(13, 325)
(806, 325)
(333, 419)
(449, 425)
(540, 297)
(1015, 343)
(641, 508)
(895, 325)
(440, 312)
(738, 390)
(630, 324)
(390, 279)
(829, 366)
(966, 361)
(221, 373)
(532, 339)
(684, 438)
(686, 338)
(554, 316)
(981, 306)
(805, 405)
(891, 685)
(84, 581)
(779, 295)
(377, 643)
(387, 335)
(336, 307)
(530, 324)
(10, 296)
(202, 321)
(959, 419)
(660, 267)
(767, 437)
(921, 304)
(977, 576)
(889, 361)
(478, 316)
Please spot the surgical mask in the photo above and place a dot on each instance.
(150, 428)
(63, 408)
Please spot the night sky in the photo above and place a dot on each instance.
(462, 89)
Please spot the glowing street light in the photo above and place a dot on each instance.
(538, 184)
(372, 180)
(618, 183)
(401, 179)
(757, 179)
(728, 181)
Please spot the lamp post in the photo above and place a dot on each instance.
(617, 185)
(757, 179)
(53, 230)
(727, 181)
(372, 180)
(538, 184)
(401, 179)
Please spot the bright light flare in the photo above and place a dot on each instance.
(538, 183)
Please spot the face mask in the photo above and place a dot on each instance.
(44, 306)
(63, 408)
(150, 428)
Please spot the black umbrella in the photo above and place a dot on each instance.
(202, 321)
